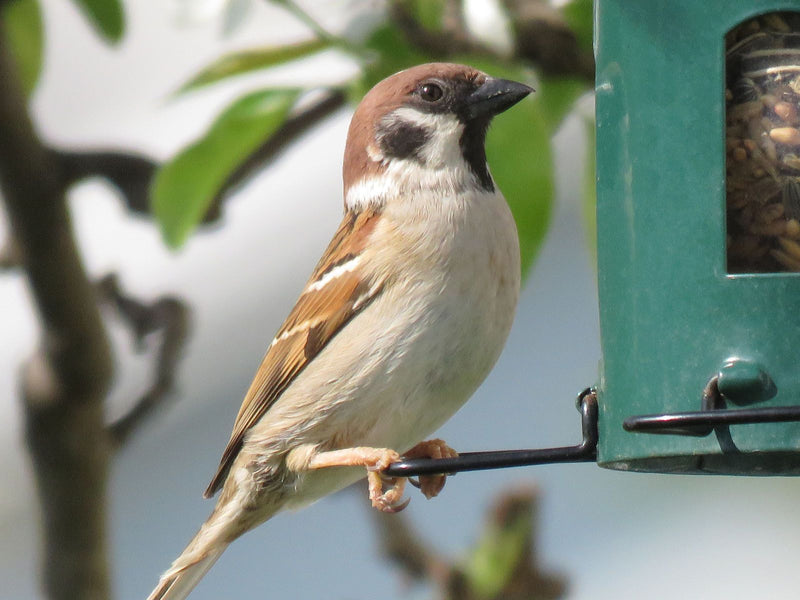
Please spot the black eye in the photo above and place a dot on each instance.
(430, 92)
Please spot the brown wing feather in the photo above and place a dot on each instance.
(316, 317)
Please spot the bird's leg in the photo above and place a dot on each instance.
(431, 485)
(375, 460)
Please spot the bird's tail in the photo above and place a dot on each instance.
(197, 558)
(185, 573)
(223, 526)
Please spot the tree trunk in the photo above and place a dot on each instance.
(64, 385)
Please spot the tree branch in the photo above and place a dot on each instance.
(10, 255)
(542, 37)
(286, 134)
(64, 385)
(170, 316)
(514, 512)
(130, 173)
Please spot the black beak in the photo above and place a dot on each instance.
(495, 96)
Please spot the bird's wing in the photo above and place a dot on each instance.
(337, 290)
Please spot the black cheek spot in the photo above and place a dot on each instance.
(399, 139)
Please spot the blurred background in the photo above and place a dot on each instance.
(144, 92)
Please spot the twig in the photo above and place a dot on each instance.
(451, 41)
(415, 558)
(292, 129)
(542, 37)
(403, 546)
(10, 254)
(130, 173)
(64, 385)
(167, 314)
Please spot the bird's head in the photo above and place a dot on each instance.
(423, 129)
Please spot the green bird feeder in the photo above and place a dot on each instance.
(698, 217)
(698, 227)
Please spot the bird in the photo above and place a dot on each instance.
(402, 318)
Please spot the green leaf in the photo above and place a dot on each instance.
(580, 18)
(496, 555)
(393, 53)
(557, 95)
(185, 187)
(590, 187)
(521, 162)
(238, 63)
(428, 13)
(505, 70)
(106, 16)
(23, 25)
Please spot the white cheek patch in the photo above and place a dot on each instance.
(443, 148)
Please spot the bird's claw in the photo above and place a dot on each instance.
(389, 501)
(431, 485)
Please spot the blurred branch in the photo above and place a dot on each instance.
(131, 174)
(542, 37)
(452, 40)
(170, 316)
(10, 254)
(292, 129)
(64, 384)
(524, 581)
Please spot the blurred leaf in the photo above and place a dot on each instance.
(579, 16)
(23, 25)
(250, 60)
(590, 187)
(496, 68)
(428, 13)
(185, 186)
(393, 54)
(557, 95)
(496, 555)
(235, 15)
(520, 158)
(106, 17)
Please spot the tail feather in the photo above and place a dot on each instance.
(225, 524)
(176, 584)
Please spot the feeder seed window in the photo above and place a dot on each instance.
(762, 129)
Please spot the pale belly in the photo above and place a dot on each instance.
(404, 365)
(416, 376)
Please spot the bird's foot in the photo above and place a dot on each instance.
(431, 485)
(375, 460)
(390, 501)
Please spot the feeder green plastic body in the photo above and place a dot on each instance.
(671, 315)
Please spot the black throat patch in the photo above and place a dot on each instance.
(473, 149)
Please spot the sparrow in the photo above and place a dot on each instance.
(403, 317)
